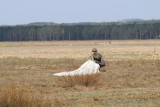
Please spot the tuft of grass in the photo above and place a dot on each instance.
(18, 96)
(83, 80)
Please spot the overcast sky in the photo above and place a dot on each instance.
(67, 11)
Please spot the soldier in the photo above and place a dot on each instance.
(97, 57)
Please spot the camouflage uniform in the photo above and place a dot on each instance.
(97, 57)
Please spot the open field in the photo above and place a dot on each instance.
(80, 49)
(131, 79)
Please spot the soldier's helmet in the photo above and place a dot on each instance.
(94, 50)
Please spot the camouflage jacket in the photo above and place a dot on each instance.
(96, 57)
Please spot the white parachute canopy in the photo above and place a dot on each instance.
(89, 67)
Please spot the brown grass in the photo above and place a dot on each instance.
(132, 77)
(79, 49)
(20, 96)
(80, 80)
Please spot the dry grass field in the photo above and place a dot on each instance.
(131, 77)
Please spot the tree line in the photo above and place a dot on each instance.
(82, 31)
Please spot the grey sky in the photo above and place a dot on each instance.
(66, 11)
